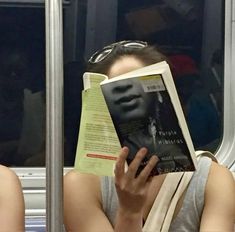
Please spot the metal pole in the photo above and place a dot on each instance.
(54, 115)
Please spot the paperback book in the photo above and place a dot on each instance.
(138, 109)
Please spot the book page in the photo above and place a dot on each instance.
(98, 145)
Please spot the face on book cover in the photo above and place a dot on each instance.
(128, 99)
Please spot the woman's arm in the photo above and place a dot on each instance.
(83, 210)
(82, 204)
(11, 202)
(219, 210)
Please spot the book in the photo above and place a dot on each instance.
(137, 109)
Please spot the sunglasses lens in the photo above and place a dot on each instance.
(102, 54)
(135, 44)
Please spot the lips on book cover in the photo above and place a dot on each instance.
(143, 116)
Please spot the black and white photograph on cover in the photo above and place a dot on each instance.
(143, 116)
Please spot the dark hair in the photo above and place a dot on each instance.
(148, 55)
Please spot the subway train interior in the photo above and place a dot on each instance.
(196, 35)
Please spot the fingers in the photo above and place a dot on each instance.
(144, 174)
(133, 167)
(120, 164)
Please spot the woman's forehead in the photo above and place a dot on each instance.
(123, 65)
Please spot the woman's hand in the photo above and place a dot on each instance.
(131, 189)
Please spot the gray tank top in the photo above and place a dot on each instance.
(187, 219)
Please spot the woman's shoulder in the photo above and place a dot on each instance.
(220, 187)
(6, 172)
(82, 184)
(76, 177)
(8, 178)
(219, 207)
(12, 201)
(82, 199)
(220, 174)
(74, 174)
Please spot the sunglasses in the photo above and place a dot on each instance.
(104, 53)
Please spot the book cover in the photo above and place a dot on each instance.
(137, 109)
(146, 112)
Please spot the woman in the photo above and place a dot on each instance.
(11, 202)
(122, 203)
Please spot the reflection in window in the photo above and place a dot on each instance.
(22, 81)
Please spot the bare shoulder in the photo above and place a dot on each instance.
(12, 201)
(86, 186)
(74, 175)
(81, 181)
(220, 181)
(219, 207)
(9, 179)
(219, 174)
(82, 203)
(6, 172)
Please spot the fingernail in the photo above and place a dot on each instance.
(144, 149)
(125, 149)
(156, 158)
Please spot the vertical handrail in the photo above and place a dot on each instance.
(54, 115)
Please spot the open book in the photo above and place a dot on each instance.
(137, 109)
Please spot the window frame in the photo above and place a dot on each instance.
(226, 149)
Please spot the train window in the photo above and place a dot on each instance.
(22, 84)
(183, 29)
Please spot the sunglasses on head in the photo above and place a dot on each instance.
(103, 53)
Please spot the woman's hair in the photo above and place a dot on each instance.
(147, 55)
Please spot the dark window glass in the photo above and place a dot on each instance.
(183, 29)
(22, 85)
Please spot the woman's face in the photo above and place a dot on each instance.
(127, 99)
(124, 65)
